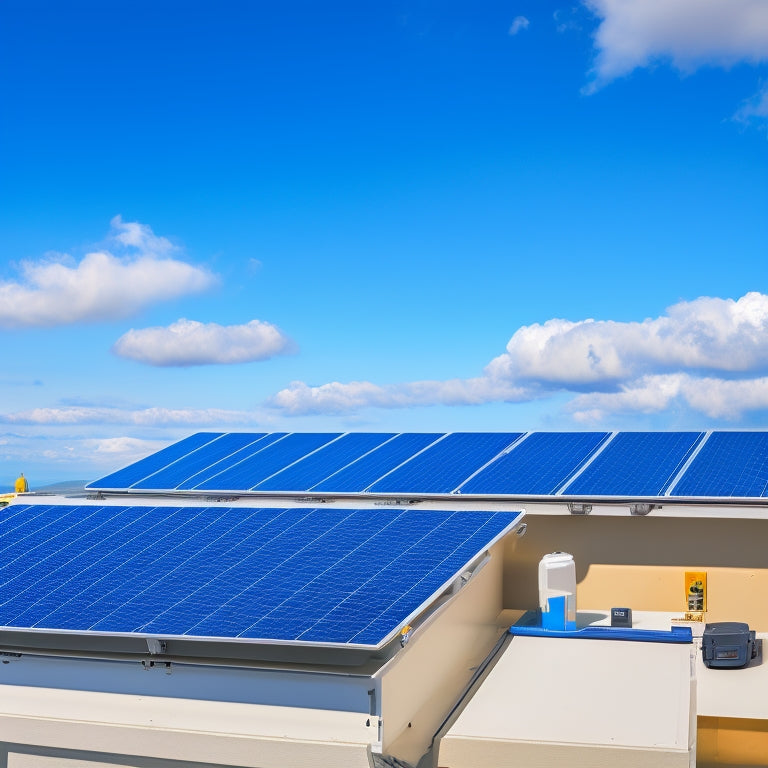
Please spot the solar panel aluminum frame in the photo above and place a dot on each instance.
(129, 645)
(323, 497)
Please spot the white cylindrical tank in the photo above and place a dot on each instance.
(557, 579)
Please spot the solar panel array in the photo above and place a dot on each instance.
(349, 576)
(573, 464)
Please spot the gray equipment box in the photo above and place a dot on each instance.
(728, 644)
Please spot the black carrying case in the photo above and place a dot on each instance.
(728, 644)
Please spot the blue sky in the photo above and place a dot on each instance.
(395, 216)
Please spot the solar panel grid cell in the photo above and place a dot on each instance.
(125, 478)
(729, 464)
(402, 565)
(138, 597)
(257, 468)
(227, 572)
(318, 466)
(456, 549)
(104, 584)
(202, 568)
(276, 559)
(235, 569)
(175, 474)
(360, 474)
(636, 464)
(48, 538)
(228, 462)
(48, 585)
(14, 516)
(538, 465)
(370, 561)
(444, 466)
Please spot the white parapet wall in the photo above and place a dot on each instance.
(90, 728)
(581, 703)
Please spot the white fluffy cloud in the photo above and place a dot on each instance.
(715, 398)
(133, 234)
(301, 399)
(689, 33)
(707, 334)
(710, 355)
(137, 270)
(188, 342)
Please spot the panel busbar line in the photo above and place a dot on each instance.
(257, 468)
(230, 461)
(729, 465)
(172, 476)
(133, 473)
(443, 467)
(347, 576)
(331, 458)
(636, 464)
(538, 465)
(369, 468)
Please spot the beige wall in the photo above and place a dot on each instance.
(149, 730)
(420, 687)
(639, 562)
(733, 742)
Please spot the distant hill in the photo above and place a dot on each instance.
(65, 487)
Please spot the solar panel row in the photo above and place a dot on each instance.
(348, 576)
(645, 464)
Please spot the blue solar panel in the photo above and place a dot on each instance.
(360, 474)
(729, 464)
(191, 465)
(125, 478)
(227, 462)
(636, 464)
(447, 464)
(321, 575)
(538, 465)
(319, 465)
(256, 468)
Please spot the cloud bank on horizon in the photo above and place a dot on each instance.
(147, 417)
(708, 354)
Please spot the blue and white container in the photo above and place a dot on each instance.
(557, 591)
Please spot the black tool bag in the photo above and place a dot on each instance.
(728, 645)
